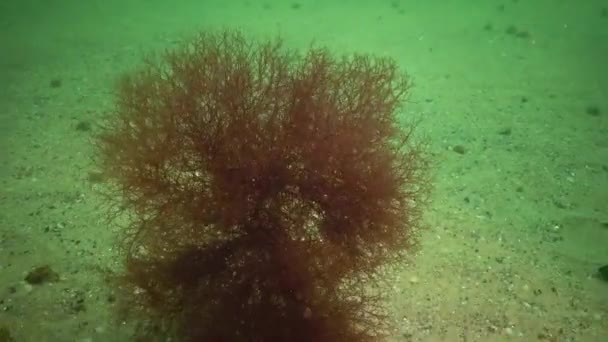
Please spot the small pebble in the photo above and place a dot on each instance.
(593, 110)
(40, 275)
(459, 149)
(505, 131)
(83, 126)
(55, 83)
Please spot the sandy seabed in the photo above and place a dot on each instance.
(513, 100)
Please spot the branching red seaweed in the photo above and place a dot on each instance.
(266, 188)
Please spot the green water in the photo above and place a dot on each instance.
(513, 100)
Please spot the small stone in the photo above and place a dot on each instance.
(55, 83)
(40, 275)
(505, 131)
(593, 110)
(307, 313)
(83, 126)
(459, 149)
(603, 273)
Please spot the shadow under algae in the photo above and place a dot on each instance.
(265, 190)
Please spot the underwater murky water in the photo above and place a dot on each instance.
(510, 97)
